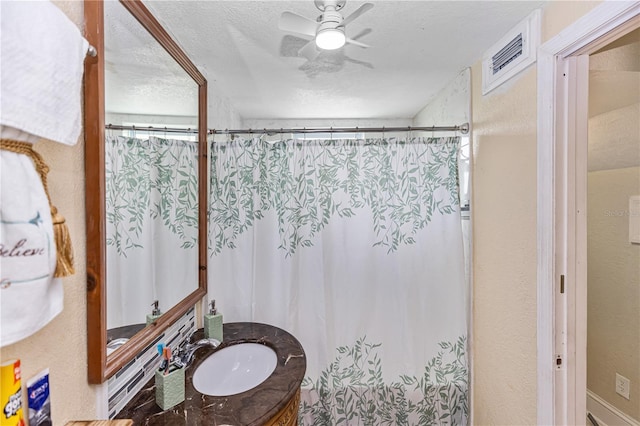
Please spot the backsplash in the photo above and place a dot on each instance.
(128, 381)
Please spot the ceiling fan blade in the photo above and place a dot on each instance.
(362, 34)
(359, 11)
(294, 23)
(357, 43)
(309, 51)
(355, 61)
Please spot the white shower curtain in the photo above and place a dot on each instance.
(152, 216)
(355, 247)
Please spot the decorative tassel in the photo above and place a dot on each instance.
(64, 249)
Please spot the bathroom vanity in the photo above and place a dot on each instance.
(273, 402)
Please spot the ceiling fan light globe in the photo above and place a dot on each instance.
(330, 39)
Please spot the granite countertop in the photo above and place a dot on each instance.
(253, 407)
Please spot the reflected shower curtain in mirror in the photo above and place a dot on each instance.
(152, 216)
(355, 247)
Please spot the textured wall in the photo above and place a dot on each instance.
(504, 239)
(504, 253)
(450, 106)
(328, 122)
(613, 340)
(61, 346)
(221, 114)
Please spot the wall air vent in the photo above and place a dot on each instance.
(507, 54)
(513, 53)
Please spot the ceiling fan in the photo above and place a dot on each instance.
(327, 30)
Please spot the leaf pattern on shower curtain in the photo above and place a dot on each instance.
(403, 182)
(175, 180)
(351, 390)
(154, 179)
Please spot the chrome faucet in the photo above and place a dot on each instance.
(184, 356)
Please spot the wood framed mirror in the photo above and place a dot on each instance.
(100, 365)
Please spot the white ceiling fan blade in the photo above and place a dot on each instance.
(359, 11)
(309, 51)
(357, 43)
(294, 23)
(362, 34)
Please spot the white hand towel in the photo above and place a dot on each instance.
(42, 60)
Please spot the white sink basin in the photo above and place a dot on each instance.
(235, 369)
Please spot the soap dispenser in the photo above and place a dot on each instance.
(155, 314)
(213, 323)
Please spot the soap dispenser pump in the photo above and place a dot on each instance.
(213, 323)
(155, 314)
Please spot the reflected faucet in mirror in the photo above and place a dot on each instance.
(115, 344)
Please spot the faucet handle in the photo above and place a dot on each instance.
(176, 359)
(190, 337)
(181, 355)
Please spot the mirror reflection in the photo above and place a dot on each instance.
(151, 177)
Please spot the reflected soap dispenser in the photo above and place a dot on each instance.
(155, 314)
(213, 323)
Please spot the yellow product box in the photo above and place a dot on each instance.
(11, 394)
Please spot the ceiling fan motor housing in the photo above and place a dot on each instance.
(329, 19)
(336, 4)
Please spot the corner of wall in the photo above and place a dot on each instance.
(450, 106)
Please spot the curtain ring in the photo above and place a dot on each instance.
(331, 133)
(383, 134)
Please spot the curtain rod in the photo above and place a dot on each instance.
(462, 128)
(151, 129)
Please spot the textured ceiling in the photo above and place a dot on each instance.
(140, 76)
(417, 47)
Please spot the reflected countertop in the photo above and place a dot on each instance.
(124, 332)
(253, 407)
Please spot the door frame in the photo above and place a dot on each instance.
(562, 72)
